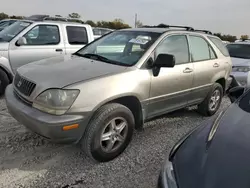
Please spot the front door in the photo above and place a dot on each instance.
(170, 90)
(42, 41)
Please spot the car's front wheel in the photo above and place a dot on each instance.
(108, 133)
(4, 81)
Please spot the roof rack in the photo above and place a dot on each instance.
(52, 18)
(168, 26)
(204, 31)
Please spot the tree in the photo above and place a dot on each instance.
(244, 37)
(3, 16)
(75, 15)
(91, 23)
(138, 23)
(229, 38)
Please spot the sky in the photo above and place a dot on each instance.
(225, 16)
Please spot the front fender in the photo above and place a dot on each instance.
(99, 91)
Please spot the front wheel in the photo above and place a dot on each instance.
(4, 81)
(212, 102)
(108, 133)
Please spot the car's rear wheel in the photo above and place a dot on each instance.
(108, 133)
(4, 81)
(212, 102)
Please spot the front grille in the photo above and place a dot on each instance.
(23, 85)
(22, 99)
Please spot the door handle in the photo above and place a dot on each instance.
(216, 65)
(59, 50)
(188, 70)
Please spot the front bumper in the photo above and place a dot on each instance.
(46, 125)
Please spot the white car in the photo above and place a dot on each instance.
(98, 31)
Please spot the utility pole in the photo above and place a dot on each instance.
(136, 20)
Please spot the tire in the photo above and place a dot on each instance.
(91, 142)
(4, 81)
(204, 108)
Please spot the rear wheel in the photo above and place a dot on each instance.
(4, 81)
(212, 102)
(108, 133)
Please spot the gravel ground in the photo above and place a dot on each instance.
(27, 160)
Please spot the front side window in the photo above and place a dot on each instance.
(177, 46)
(13, 30)
(239, 50)
(121, 47)
(77, 35)
(43, 35)
(200, 50)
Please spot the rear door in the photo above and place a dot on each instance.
(76, 36)
(42, 41)
(206, 66)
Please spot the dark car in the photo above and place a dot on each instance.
(217, 153)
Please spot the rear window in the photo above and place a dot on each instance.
(239, 50)
(77, 35)
(219, 44)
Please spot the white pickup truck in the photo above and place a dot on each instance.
(27, 41)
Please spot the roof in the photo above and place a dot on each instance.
(155, 30)
(53, 22)
(161, 28)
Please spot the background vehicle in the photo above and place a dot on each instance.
(6, 22)
(98, 31)
(216, 154)
(97, 97)
(226, 42)
(240, 55)
(27, 41)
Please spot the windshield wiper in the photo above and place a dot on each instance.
(100, 58)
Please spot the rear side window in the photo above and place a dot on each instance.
(200, 49)
(77, 35)
(219, 44)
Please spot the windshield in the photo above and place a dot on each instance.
(120, 47)
(239, 50)
(13, 30)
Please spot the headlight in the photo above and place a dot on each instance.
(168, 173)
(241, 69)
(55, 101)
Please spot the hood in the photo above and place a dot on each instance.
(4, 46)
(60, 71)
(240, 61)
(225, 162)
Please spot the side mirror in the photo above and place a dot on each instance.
(21, 41)
(164, 60)
(235, 93)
